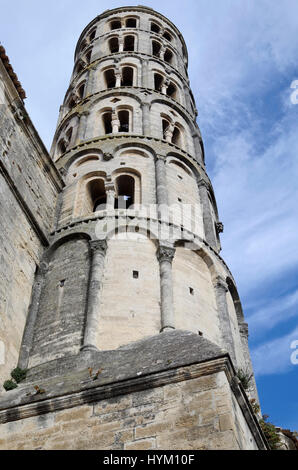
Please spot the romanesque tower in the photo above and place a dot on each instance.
(135, 329)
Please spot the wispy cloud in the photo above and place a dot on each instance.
(274, 357)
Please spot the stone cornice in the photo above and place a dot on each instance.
(75, 111)
(115, 137)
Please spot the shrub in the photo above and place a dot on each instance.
(9, 385)
(271, 433)
(245, 378)
(19, 375)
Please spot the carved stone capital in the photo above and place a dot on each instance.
(98, 247)
(18, 111)
(162, 158)
(203, 184)
(107, 157)
(63, 171)
(166, 253)
(220, 283)
(219, 227)
(243, 328)
(43, 268)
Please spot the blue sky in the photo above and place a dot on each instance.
(243, 59)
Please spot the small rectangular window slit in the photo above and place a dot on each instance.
(136, 274)
(191, 291)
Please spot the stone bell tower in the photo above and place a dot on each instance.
(135, 329)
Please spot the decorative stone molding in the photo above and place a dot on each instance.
(165, 253)
(107, 157)
(99, 247)
(219, 227)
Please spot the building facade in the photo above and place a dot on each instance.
(135, 330)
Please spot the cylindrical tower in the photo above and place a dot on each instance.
(135, 250)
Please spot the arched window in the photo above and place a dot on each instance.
(155, 28)
(114, 45)
(88, 57)
(125, 187)
(127, 76)
(81, 91)
(69, 135)
(110, 78)
(92, 35)
(168, 56)
(129, 43)
(80, 67)
(167, 36)
(124, 121)
(158, 81)
(156, 48)
(131, 23)
(177, 137)
(116, 24)
(165, 127)
(107, 122)
(172, 91)
(62, 146)
(97, 194)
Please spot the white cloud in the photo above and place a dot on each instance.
(274, 357)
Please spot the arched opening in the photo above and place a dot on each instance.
(156, 48)
(177, 137)
(172, 91)
(155, 28)
(131, 23)
(71, 103)
(124, 121)
(168, 56)
(116, 24)
(88, 57)
(81, 91)
(92, 35)
(80, 67)
(114, 45)
(97, 194)
(107, 122)
(125, 187)
(167, 36)
(127, 76)
(110, 78)
(158, 81)
(129, 43)
(62, 146)
(165, 126)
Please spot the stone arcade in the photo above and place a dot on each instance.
(128, 320)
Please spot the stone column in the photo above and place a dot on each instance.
(121, 44)
(115, 123)
(161, 181)
(91, 81)
(145, 73)
(221, 289)
(32, 315)
(243, 329)
(118, 76)
(165, 86)
(146, 118)
(110, 191)
(98, 253)
(208, 221)
(82, 126)
(165, 255)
